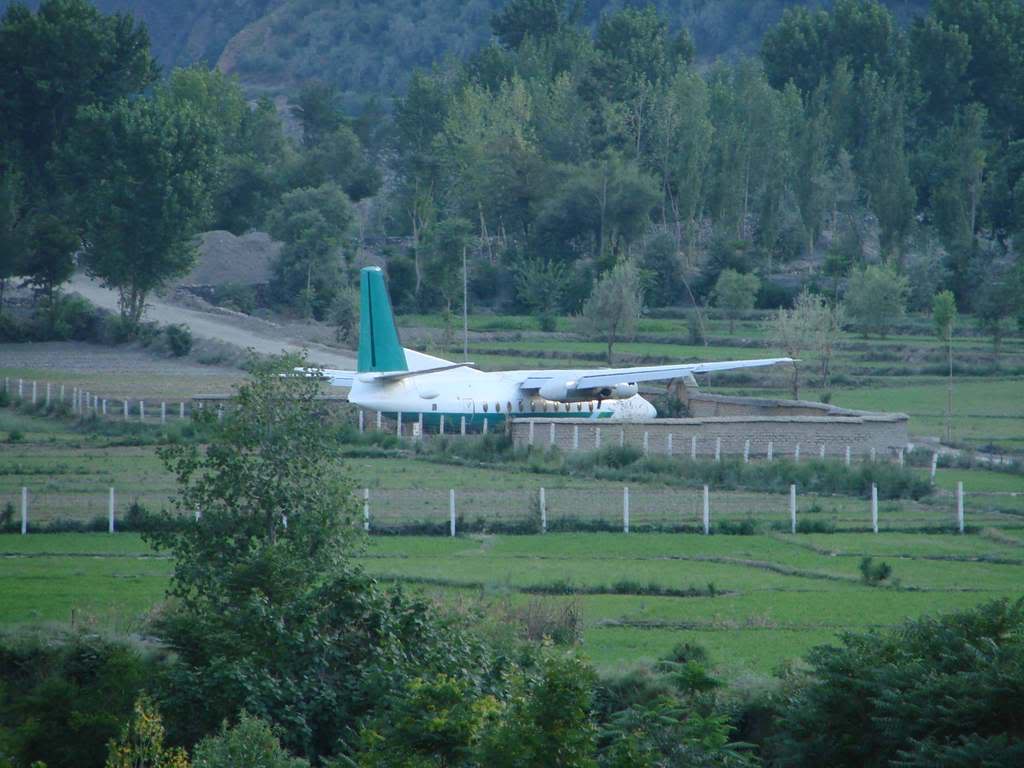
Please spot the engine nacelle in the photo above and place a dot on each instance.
(566, 392)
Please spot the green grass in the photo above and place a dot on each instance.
(776, 596)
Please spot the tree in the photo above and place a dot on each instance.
(271, 615)
(12, 237)
(613, 309)
(876, 298)
(828, 330)
(540, 287)
(520, 19)
(142, 742)
(56, 61)
(998, 298)
(444, 247)
(913, 678)
(251, 743)
(794, 330)
(318, 109)
(944, 316)
(146, 168)
(52, 262)
(312, 223)
(339, 157)
(735, 293)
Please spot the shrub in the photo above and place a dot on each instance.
(874, 573)
(179, 339)
(5, 398)
(15, 436)
(250, 743)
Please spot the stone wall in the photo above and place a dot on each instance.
(883, 434)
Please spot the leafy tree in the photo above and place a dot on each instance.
(735, 293)
(312, 223)
(338, 157)
(998, 298)
(141, 744)
(12, 237)
(52, 263)
(913, 678)
(827, 331)
(794, 331)
(445, 246)
(613, 309)
(317, 107)
(65, 56)
(271, 615)
(546, 720)
(250, 742)
(520, 19)
(540, 287)
(146, 170)
(944, 316)
(876, 298)
(663, 267)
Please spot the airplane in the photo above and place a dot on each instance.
(394, 380)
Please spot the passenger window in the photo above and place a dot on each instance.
(485, 407)
(497, 407)
(508, 407)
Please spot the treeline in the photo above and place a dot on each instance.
(554, 155)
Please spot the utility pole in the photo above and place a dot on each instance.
(465, 309)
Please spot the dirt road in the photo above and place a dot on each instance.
(245, 332)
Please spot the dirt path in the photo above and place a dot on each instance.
(245, 332)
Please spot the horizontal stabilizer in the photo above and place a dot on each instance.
(398, 375)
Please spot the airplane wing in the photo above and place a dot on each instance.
(599, 378)
(335, 377)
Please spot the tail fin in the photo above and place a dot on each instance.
(379, 347)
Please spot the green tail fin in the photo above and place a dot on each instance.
(379, 347)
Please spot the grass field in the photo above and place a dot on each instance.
(773, 596)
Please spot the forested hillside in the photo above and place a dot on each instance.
(369, 49)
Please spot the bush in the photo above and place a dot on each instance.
(15, 436)
(932, 691)
(250, 743)
(872, 573)
(179, 339)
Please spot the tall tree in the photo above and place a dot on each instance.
(312, 223)
(147, 167)
(614, 306)
(793, 331)
(735, 293)
(876, 298)
(520, 19)
(63, 57)
(317, 107)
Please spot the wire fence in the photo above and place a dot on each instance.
(537, 510)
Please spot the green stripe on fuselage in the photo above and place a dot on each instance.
(433, 418)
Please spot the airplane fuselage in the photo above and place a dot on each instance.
(480, 396)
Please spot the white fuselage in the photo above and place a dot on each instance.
(479, 396)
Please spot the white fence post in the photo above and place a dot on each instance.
(110, 512)
(622, 437)
(746, 452)
(451, 509)
(551, 432)
(718, 449)
(21, 388)
(142, 410)
(62, 393)
(543, 512)
(47, 394)
(398, 428)
(647, 441)
(900, 455)
(707, 511)
(872, 453)
(770, 446)
(668, 444)
(33, 392)
(440, 424)
(960, 505)
(597, 438)
(874, 508)
(792, 507)
(935, 464)
(484, 428)
(796, 453)
(462, 426)
(575, 437)
(24, 510)
(181, 410)
(126, 409)
(163, 412)
(693, 448)
(625, 509)
(847, 455)
(104, 406)
(361, 418)
(529, 440)
(366, 506)
(419, 423)
(821, 452)
(378, 421)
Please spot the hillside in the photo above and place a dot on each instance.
(368, 49)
